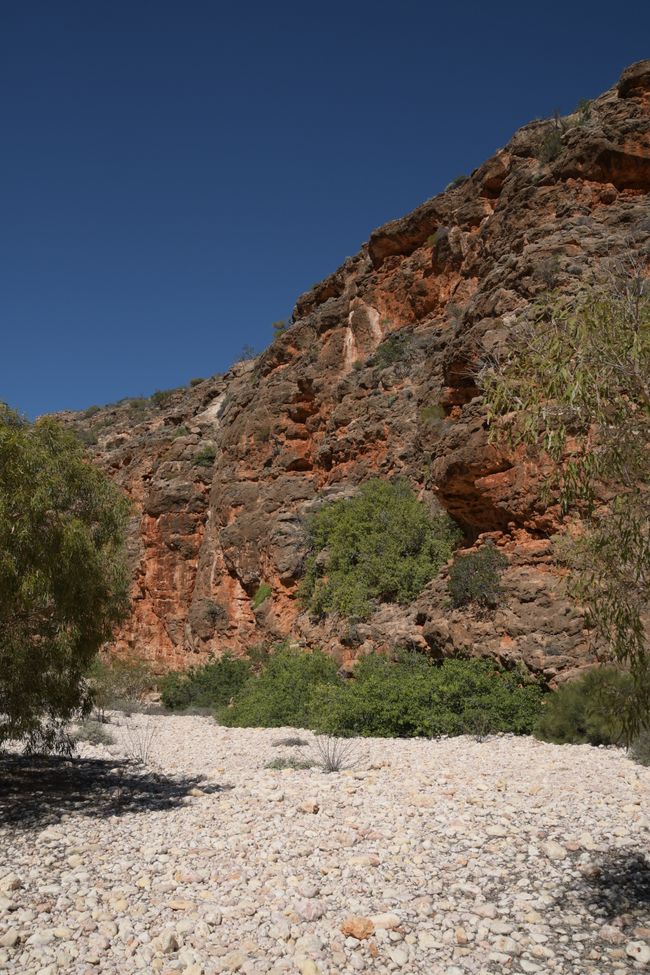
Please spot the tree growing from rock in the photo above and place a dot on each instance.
(63, 577)
(576, 386)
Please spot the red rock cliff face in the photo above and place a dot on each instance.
(223, 475)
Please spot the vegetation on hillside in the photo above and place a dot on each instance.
(475, 578)
(383, 545)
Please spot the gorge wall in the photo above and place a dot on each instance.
(376, 375)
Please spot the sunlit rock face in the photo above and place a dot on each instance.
(224, 474)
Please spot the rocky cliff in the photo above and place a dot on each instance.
(376, 375)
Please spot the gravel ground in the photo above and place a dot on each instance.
(427, 858)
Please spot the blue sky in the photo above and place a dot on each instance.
(173, 175)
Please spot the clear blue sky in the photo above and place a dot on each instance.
(174, 174)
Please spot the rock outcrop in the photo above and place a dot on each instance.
(376, 375)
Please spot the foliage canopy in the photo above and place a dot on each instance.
(63, 578)
(576, 385)
(476, 577)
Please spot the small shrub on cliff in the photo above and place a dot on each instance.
(587, 710)
(414, 697)
(281, 693)
(550, 145)
(161, 397)
(261, 596)
(381, 546)
(206, 456)
(212, 685)
(392, 350)
(476, 577)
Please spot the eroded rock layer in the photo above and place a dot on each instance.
(224, 474)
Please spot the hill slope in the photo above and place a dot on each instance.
(376, 375)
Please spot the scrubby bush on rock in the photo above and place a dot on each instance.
(392, 350)
(261, 595)
(212, 685)
(381, 546)
(281, 693)
(206, 456)
(415, 697)
(586, 710)
(476, 577)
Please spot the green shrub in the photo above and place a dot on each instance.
(206, 456)
(120, 684)
(279, 327)
(392, 350)
(281, 693)
(414, 697)
(212, 685)
(586, 710)
(261, 596)
(161, 397)
(197, 381)
(476, 577)
(381, 546)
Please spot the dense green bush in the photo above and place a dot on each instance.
(281, 693)
(476, 577)
(211, 685)
(381, 546)
(414, 697)
(586, 710)
(64, 579)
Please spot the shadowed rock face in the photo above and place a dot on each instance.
(223, 474)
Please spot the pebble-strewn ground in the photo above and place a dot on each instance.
(432, 857)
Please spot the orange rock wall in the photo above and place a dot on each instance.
(317, 414)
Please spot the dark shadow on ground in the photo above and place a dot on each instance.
(617, 884)
(38, 790)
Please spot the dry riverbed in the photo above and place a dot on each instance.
(427, 858)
